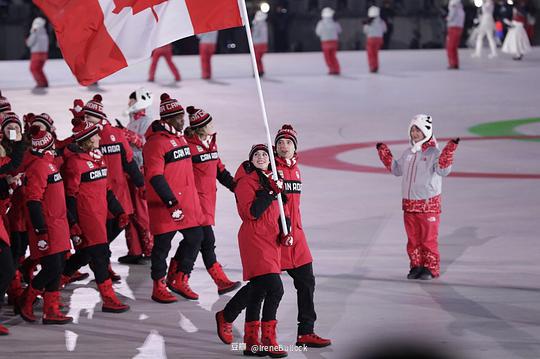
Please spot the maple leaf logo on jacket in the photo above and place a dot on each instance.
(137, 6)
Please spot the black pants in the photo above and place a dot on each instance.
(304, 282)
(7, 268)
(265, 290)
(19, 243)
(208, 247)
(48, 277)
(186, 254)
(113, 230)
(98, 258)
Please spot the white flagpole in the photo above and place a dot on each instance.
(243, 8)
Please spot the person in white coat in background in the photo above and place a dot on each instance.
(38, 42)
(486, 28)
(328, 31)
(259, 32)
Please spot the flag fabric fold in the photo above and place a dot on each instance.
(100, 37)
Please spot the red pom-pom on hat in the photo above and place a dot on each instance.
(98, 98)
(164, 97)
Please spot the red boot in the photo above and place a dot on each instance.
(3, 330)
(173, 266)
(26, 303)
(312, 340)
(111, 303)
(15, 289)
(252, 331)
(113, 275)
(161, 293)
(181, 286)
(223, 283)
(224, 328)
(268, 338)
(51, 309)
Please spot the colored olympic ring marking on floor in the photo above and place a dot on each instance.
(505, 128)
(327, 158)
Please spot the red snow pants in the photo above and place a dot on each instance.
(206, 51)
(166, 52)
(373, 46)
(453, 38)
(423, 245)
(260, 50)
(37, 62)
(330, 56)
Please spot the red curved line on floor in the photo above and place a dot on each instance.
(326, 157)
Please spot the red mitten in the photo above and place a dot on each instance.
(286, 240)
(75, 233)
(176, 213)
(123, 220)
(447, 155)
(275, 186)
(75, 230)
(385, 155)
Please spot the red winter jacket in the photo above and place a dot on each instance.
(299, 254)
(87, 191)
(8, 165)
(169, 179)
(4, 206)
(259, 233)
(17, 212)
(44, 187)
(116, 149)
(207, 167)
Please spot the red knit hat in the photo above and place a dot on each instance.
(41, 140)
(94, 107)
(169, 107)
(198, 118)
(287, 131)
(44, 119)
(10, 117)
(83, 130)
(4, 104)
(258, 147)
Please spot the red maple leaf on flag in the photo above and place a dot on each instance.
(137, 6)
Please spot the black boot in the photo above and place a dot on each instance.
(414, 273)
(131, 259)
(426, 274)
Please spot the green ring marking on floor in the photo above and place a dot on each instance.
(504, 128)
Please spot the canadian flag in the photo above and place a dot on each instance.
(100, 37)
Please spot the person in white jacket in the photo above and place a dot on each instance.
(259, 32)
(421, 167)
(374, 28)
(38, 42)
(486, 28)
(328, 31)
(454, 28)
